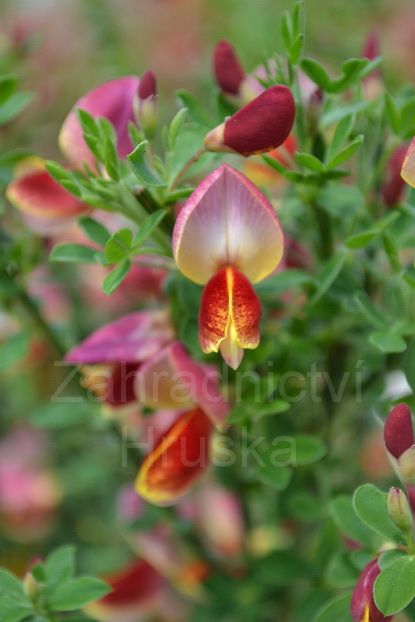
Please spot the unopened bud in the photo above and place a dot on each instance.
(398, 431)
(227, 68)
(147, 103)
(260, 126)
(406, 465)
(394, 185)
(399, 510)
(30, 586)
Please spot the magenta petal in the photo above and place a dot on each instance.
(37, 194)
(398, 431)
(363, 595)
(130, 339)
(172, 379)
(113, 100)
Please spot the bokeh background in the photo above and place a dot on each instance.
(76, 44)
(60, 50)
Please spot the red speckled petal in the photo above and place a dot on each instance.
(177, 460)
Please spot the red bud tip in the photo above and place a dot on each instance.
(263, 124)
(394, 186)
(148, 85)
(371, 47)
(398, 431)
(228, 70)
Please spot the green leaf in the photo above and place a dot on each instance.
(393, 113)
(64, 177)
(144, 174)
(389, 557)
(60, 415)
(12, 612)
(284, 281)
(308, 449)
(197, 112)
(409, 365)
(14, 105)
(73, 253)
(341, 134)
(337, 609)
(118, 246)
(328, 275)
(337, 112)
(346, 153)
(371, 506)
(388, 342)
(9, 584)
(148, 227)
(344, 516)
(8, 85)
(77, 593)
(60, 566)
(12, 350)
(311, 162)
(316, 72)
(176, 126)
(394, 587)
(372, 314)
(274, 476)
(116, 276)
(362, 239)
(95, 230)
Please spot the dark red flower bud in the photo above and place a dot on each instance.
(363, 606)
(398, 432)
(260, 126)
(228, 70)
(147, 86)
(371, 47)
(394, 185)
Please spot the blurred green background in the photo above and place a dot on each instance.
(69, 46)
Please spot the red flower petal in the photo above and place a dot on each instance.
(177, 460)
(229, 315)
(228, 70)
(135, 584)
(147, 86)
(398, 431)
(260, 126)
(38, 194)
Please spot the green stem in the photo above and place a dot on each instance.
(32, 309)
(323, 221)
(186, 167)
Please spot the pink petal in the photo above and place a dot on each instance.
(39, 196)
(408, 168)
(132, 338)
(227, 221)
(173, 380)
(113, 100)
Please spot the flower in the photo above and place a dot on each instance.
(394, 185)
(220, 519)
(363, 606)
(398, 431)
(228, 236)
(147, 103)
(408, 167)
(45, 205)
(111, 355)
(113, 100)
(135, 590)
(177, 460)
(227, 68)
(260, 126)
(181, 454)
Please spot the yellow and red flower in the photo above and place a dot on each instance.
(182, 452)
(227, 237)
